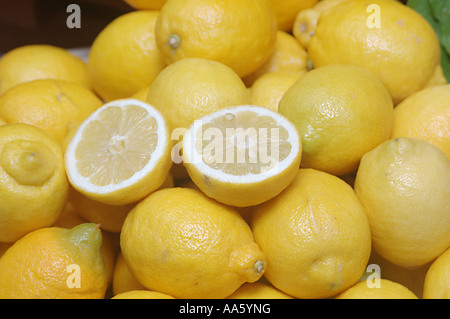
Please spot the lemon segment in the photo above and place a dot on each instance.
(242, 155)
(120, 153)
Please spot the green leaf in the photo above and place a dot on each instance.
(445, 63)
(424, 8)
(441, 12)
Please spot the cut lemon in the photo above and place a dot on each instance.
(242, 155)
(120, 153)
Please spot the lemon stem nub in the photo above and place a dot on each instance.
(174, 41)
(259, 266)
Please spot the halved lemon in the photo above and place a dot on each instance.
(242, 155)
(120, 153)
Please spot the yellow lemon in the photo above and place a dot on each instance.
(217, 30)
(315, 236)
(120, 153)
(192, 87)
(258, 290)
(142, 294)
(123, 280)
(33, 183)
(437, 279)
(124, 57)
(438, 77)
(4, 247)
(387, 290)
(41, 61)
(243, 155)
(386, 37)
(180, 242)
(341, 112)
(55, 106)
(425, 115)
(287, 55)
(141, 94)
(404, 187)
(270, 87)
(146, 4)
(55, 263)
(286, 11)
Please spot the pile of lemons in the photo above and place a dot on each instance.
(229, 149)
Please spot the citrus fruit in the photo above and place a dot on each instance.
(33, 183)
(287, 55)
(120, 153)
(217, 30)
(192, 87)
(270, 87)
(258, 290)
(41, 61)
(315, 236)
(123, 280)
(124, 57)
(438, 77)
(386, 37)
(388, 290)
(341, 112)
(142, 294)
(55, 263)
(437, 279)
(55, 106)
(286, 11)
(180, 242)
(425, 115)
(403, 185)
(242, 155)
(146, 4)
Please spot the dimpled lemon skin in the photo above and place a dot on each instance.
(403, 52)
(387, 290)
(341, 112)
(437, 279)
(33, 182)
(403, 185)
(43, 265)
(240, 34)
(41, 61)
(315, 236)
(179, 242)
(142, 294)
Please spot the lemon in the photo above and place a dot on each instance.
(386, 37)
(192, 87)
(287, 55)
(120, 153)
(242, 155)
(341, 112)
(425, 115)
(388, 290)
(55, 263)
(403, 185)
(41, 61)
(437, 279)
(124, 57)
(286, 11)
(123, 280)
(33, 183)
(146, 4)
(258, 290)
(142, 294)
(315, 236)
(270, 87)
(217, 30)
(55, 106)
(180, 242)
(438, 77)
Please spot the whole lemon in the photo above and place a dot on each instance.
(240, 34)
(180, 242)
(55, 263)
(386, 37)
(123, 280)
(258, 290)
(425, 115)
(404, 187)
(55, 106)
(341, 112)
(286, 11)
(315, 236)
(41, 61)
(124, 57)
(437, 279)
(33, 182)
(142, 294)
(387, 290)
